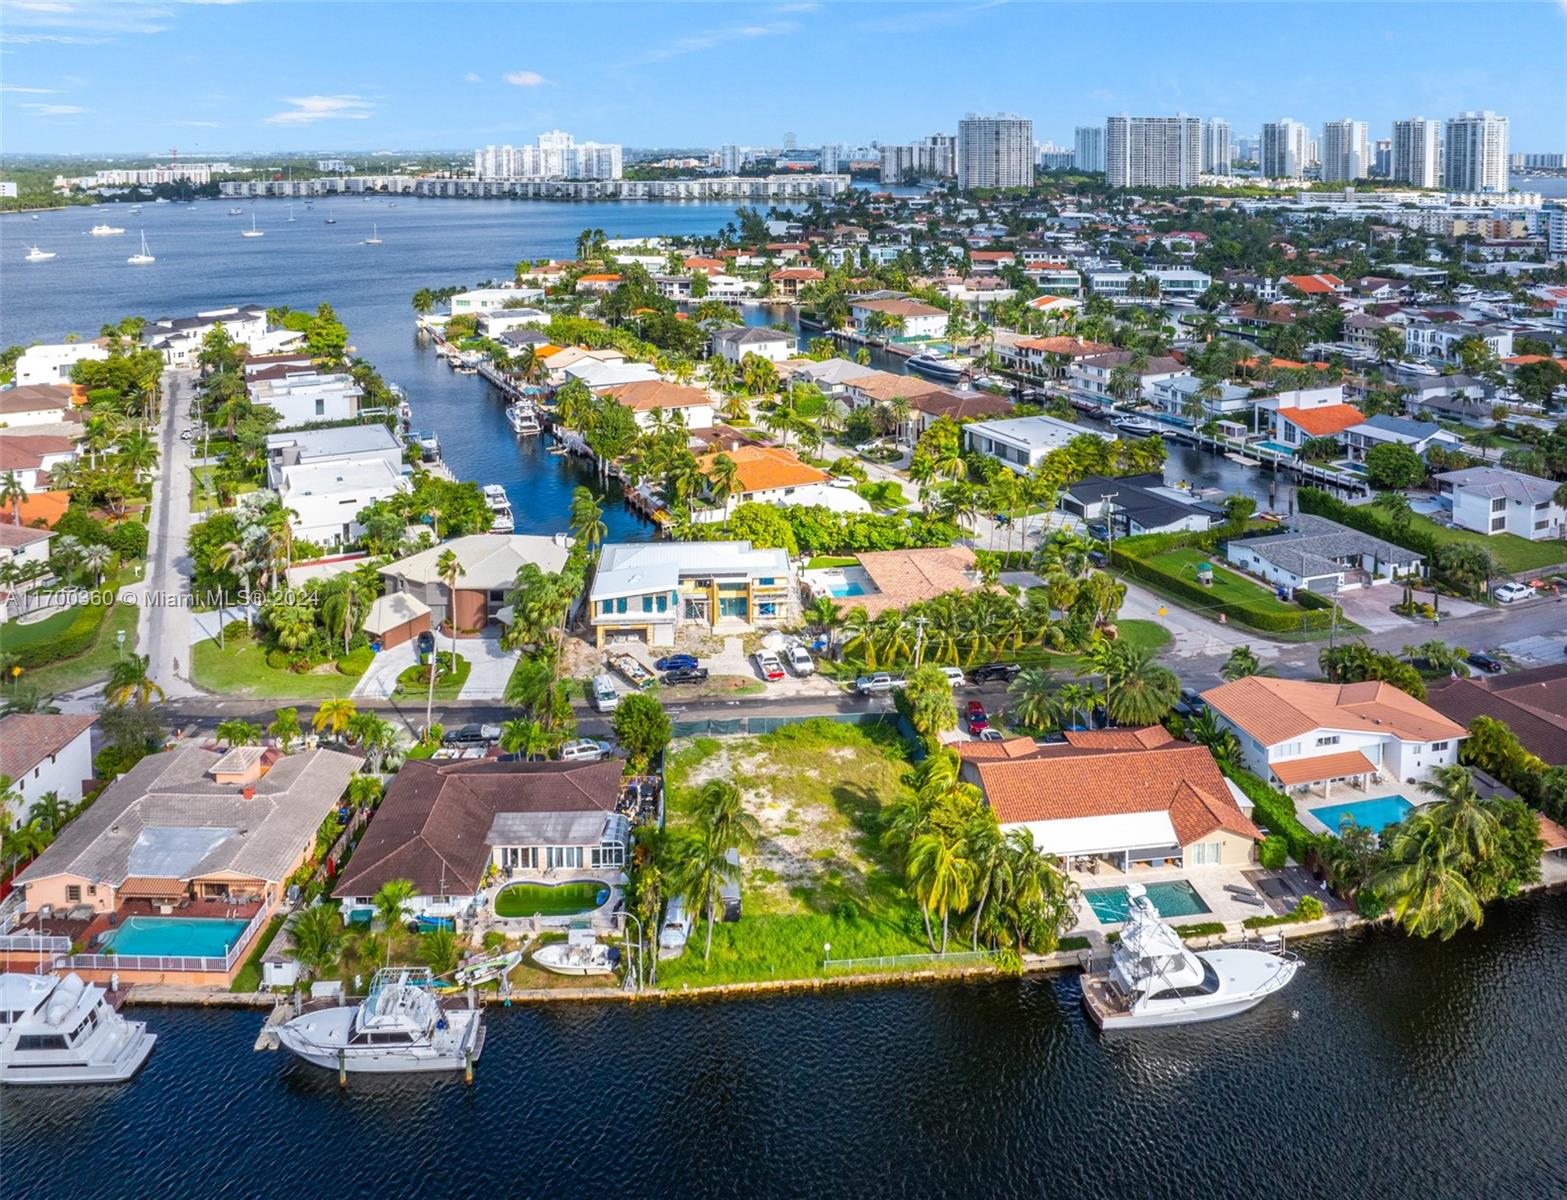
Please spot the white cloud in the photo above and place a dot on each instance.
(11, 87)
(472, 77)
(308, 109)
(201, 124)
(524, 78)
(55, 110)
(27, 17)
(708, 39)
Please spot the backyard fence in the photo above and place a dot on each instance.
(957, 958)
(717, 727)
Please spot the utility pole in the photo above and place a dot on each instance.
(919, 639)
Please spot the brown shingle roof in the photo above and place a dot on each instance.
(26, 739)
(1533, 704)
(1275, 710)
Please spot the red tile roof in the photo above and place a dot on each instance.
(1324, 421)
(1276, 710)
(26, 739)
(1315, 285)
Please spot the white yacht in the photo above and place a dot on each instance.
(234, 212)
(143, 258)
(62, 1030)
(522, 418)
(495, 497)
(400, 1027)
(34, 254)
(103, 229)
(937, 366)
(252, 231)
(1154, 980)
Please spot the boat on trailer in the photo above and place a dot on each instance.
(580, 954)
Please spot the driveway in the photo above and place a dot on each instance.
(1372, 608)
(490, 668)
(164, 627)
(380, 680)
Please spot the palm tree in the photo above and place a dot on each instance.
(525, 737)
(237, 732)
(317, 935)
(725, 827)
(1144, 691)
(1075, 698)
(129, 679)
(449, 568)
(334, 715)
(1428, 890)
(343, 608)
(375, 736)
(1032, 701)
(587, 519)
(389, 903)
(95, 557)
(12, 493)
(940, 878)
(49, 813)
(1100, 658)
(365, 791)
(722, 478)
(1204, 729)
(285, 726)
(1242, 662)
(985, 850)
(825, 615)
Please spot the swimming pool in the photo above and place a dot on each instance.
(1375, 815)
(551, 900)
(1276, 447)
(1175, 899)
(174, 937)
(847, 589)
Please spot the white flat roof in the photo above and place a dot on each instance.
(1102, 835)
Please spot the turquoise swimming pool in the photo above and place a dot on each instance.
(1375, 815)
(174, 937)
(1175, 899)
(1276, 447)
(847, 589)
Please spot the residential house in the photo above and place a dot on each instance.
(772, 344)
(1046, 357)
(598, 282)
(1306, 413)
(40, 404)
(601, 375)
(787, 281)
(656, 589)
(1383, 430)
(23, 545)
(395, 618)
(918, 320)
(476, 301)
(179, 339)
(1135, 504)
(325, 498)
(1089, 378)
(895, 579)
(1496, 500)
(1360, 331)
(337, 444)
(1178, 396)
(305, 395)
(1322, 556)
(1174, 283)
(1134, 797)
(495, 322)
(648, 398)
(53, 362)
(1022, 442)
(1295, 734)
(772, 475)
(489, 561)
(831, 376)
(30, 458)
(1532, 703)
(1431, 336)
(455, 828)
(1317, 285)
(46, 752)
(1054, 278)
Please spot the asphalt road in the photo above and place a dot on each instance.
(164, 630)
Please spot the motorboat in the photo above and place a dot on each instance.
(104, 229)
(34, 254)
(580, 954)
(375, 236)
(401, 1026)
(1155, 980)
(234, 212)
(144, 257)
(485, 969)
(1417, 368)
(62, 1030)
(1136, 426)
(522, 418)
(937, 367)
(330, 219)
(500, 506)
(252, 232)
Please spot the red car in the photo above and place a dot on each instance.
(978, 719)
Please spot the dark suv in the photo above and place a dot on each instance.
(996, 673)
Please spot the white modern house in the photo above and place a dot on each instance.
(179, 339)
(305, 395)
(46, 752)
(52, 363)
(496, 321)
(600, 376)
(1176, 393)
(1021, 442)
(1174, 283)
(1322, 556)
(337, 444)
(652, 589)
(483, 300)
(1297, 734)
(1383, 430)
(732, 345)
(919, 320)
(1495, 500)
(325, 498)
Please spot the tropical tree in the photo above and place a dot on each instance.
(1424, 880)
(824, 615)
(49, 813)
(1241, 663)
(449, 568)
(375, 735)
(940, 878)
(1144, 691)
(237, 732)
(587, 519)
(1204, 729)
(317, 936)
(1033, 701)
(725, 829)
(927, 695)
(334, 715)
(441, 949)
(285, 727)
(390, 904)
(525, 737)
(130, 679)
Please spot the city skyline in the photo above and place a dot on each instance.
(67, 91)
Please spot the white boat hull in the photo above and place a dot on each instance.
(311, 1038)
(132, 1057)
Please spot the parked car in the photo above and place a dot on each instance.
(676, 662)
(991, 735)
(768, 666)
(425, 645)
(685, 675)
(187, 434)
(1510, 592)
(996, 673)
(954, 675)
(471, 735)
(605, 694)
(584, 750)
(1485, 662)
(877, 685)
(1190, 704)
(799, 660)
(978, 719)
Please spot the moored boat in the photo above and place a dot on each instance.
(937, 367)
(63, 1030)
(485, 969)
(522, 418)
(1136, 426)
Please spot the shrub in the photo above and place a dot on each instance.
(1308, 908)
(1369, 903)
(236, 631)
(278, 658)
(56, 638)
(1275, 812)
(128, 539)
(1274, 852)
(356, 662)
(845, 910)
(1312, 600)
(1201, 929)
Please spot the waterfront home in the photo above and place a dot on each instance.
(1296, 417)
(323, 499)
(1532, 703)
(1130, 797)
(772, 475)
(495, 322)
(1383, 430)
(1317, 285)
(600, 375)
(489, 561)
(1298, 734)
(1022, 442)
(788, 281)
(182, 860)
(1046, 357)
(178, 339)
(458, 829)
(1089, 378)
(831, 376)
(1492, 500)
(734, 344)
(656, 589)
(1054, 278)
(919, 320)
(52, 363)
(30, 458)
(303, 395)
(895, 579)
(492, 299)
(337, 445)
(1315, 554)
(1432, 335)
(1136, 504)
(558, 359)
(41, 404)
(1174, 283)
(46, 752)
(654, 400)
(597, 283)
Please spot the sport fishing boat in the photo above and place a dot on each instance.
(401, 1026)
(522, 418)
(579, 954)
(500, 506)
(62, 1030)
(1154, 980)
(34, 254)
(103, 229)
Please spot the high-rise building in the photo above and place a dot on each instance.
(1417, 152)
(1554, 221)
(1285, 151)
(1216, 154)
(1346, 151)
(1153, 151)
(995, 152)
(897, 164)
(1540, 162)
(938, 155)
(788, 142)
(555, 156)
(1476, 153)
(1088, 148)
(1382, 157)
(729, 159)
(829, 157)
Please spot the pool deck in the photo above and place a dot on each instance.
(603, 917)
(1343, 793)
(204, 909)
(1209, 881)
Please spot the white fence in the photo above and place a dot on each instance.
(147, 962)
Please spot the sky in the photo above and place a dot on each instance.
(136, 77)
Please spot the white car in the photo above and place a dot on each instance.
(954, 675)
(583, 750)
(1509, 592)
(768, 666)
(799, 660)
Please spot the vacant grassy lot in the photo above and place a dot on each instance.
(240, 669)
(819, 874)
(1511, 552)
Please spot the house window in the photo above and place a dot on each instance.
(606, 606)
(1330, 740)
(620, 605)
(663, 602)
(1439, 746)
(320, 407)
(1205, 854)
(1498, 524)
(73, 892)
(647, 604)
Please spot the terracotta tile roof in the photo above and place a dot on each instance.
(1276, 710)
(598, 278)
(1324, 421)
(898, 308)
(766, 468)
(1145, 738)
(911, 575)
(47, 507)
(1315, 285)
(1552, 834)
(1065, 782)
(884, 385)
(805, 274)
(1288, 364)
(705, 264)
(1322, 766)
(648, 394)
(1069, 346)
(26, 739)
(1018, 747)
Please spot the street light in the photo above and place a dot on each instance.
(119, 642)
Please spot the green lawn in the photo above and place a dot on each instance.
(562, 900)
(819, 874)
(89, 667)
(1511, 552)
(240, 669)
(823, 561)
(249, 977)
(1227, 584)
(416, 679)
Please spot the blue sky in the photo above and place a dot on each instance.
(208, 76)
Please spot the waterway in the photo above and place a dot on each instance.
(1391, 1068)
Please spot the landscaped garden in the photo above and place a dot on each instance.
(243, 666)
(448, 682)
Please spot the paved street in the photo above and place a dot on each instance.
(164, 631)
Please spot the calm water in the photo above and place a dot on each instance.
(1411, 1070)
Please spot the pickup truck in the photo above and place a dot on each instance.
(877, 685)
(798, 659)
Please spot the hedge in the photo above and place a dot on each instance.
(1312, 600)
(1261, 616)
(1274, 811)
(75, 636)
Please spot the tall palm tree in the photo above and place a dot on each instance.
(390, 903)
(95, 558)
(317, 937)
(449, 567)
(587, 519)
(1241, 663)
(940, 878)
(725, 826)
(238, 732)
(522, 736)
(1144, 691)
(1032, 700)
(285, 726)
(1427, 888)
(985, 850)
(49, 813)
(130, 679)
(825, 615)
(12, 493)
(334, 715)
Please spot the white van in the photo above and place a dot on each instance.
(605, 695)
